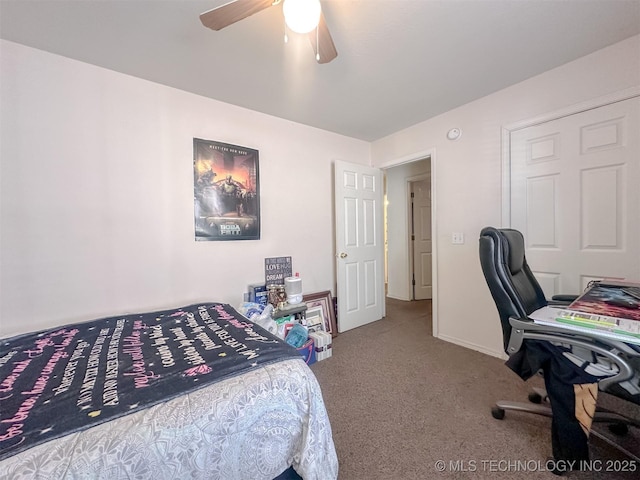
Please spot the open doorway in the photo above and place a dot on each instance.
(408, 230)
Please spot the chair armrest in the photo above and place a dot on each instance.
(608, 348)
(564, 298)
(558, 303)
(561, 300)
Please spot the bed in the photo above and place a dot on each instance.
(195, 392)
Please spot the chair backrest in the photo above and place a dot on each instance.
(514, 288)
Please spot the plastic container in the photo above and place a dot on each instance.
(297, 336)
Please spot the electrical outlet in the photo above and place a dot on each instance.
(457, 238)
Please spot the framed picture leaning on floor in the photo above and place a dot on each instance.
(315, 319)
(325, 301)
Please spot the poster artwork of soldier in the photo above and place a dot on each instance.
(226, 191)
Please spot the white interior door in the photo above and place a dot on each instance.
(574, 196)
(359, 244)
(421, 238)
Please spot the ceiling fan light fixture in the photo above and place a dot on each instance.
(301, 16)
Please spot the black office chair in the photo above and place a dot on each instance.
(517, 294)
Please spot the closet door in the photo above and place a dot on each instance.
(575, 185)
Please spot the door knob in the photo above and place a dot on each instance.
(343, 255)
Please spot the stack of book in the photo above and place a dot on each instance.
(612, 308)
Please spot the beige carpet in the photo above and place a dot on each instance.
(400, 401)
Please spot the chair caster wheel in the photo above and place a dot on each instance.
(535, 397)
(497, 413)
(619, 429)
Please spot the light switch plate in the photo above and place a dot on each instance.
(457, 238)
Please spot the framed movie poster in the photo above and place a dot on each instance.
(226, 191)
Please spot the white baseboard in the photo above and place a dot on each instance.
(473, 346)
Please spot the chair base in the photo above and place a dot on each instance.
(618, 424)
(500, 407)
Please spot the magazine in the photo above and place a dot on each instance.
(612, 306)
(610, 299)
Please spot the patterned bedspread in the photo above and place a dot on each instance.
(252, 426)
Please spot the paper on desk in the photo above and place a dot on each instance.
(553, 317)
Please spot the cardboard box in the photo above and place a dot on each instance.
(258, 293)
(323, 344)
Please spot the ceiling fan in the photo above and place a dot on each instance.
(318, 33)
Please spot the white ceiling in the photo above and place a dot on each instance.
(399, 61)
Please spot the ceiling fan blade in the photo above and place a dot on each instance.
(322, 42)
(232, 12)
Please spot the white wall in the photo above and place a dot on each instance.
(467, 176)
(398, 227)
(97, 194)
